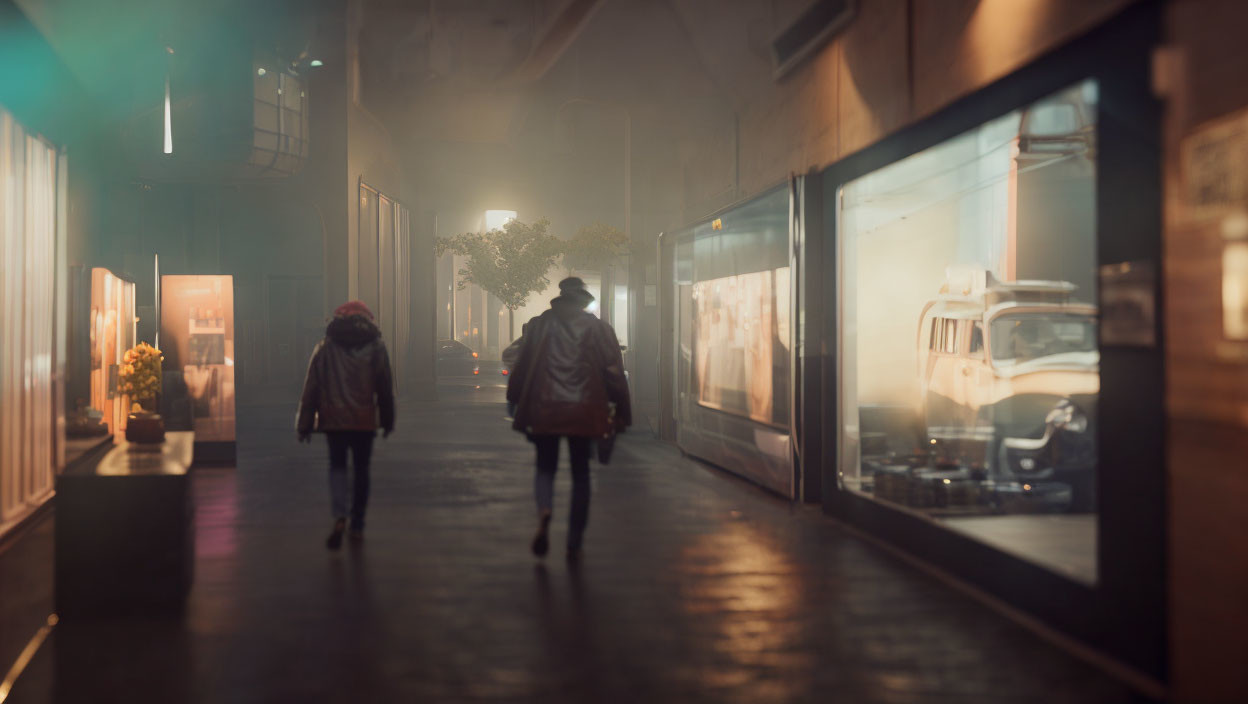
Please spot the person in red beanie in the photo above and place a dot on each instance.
(348, 394)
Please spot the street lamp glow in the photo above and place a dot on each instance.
(495, 219)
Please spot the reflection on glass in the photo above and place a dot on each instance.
(112, 333)
(969, 364)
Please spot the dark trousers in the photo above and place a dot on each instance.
(544, 481)
(360, 444)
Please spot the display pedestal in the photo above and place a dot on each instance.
(125, 533)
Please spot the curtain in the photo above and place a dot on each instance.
(29, 313)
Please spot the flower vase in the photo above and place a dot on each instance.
(145, 427)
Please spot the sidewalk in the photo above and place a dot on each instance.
(694, 587)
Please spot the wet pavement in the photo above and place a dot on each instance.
(694, 587)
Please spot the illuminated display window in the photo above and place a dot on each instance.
(969, 368)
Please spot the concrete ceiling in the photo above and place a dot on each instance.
(472, 70)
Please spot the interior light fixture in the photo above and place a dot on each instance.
(260, 71)
(316, 62)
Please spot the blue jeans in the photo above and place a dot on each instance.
(360, 444)
(544, 481)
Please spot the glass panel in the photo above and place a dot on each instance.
(112, 333)
(619, 311)
(367, 269)
(386, 270)
(197, 337)
(738, 325)
(969, 368)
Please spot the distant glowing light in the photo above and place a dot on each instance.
(260, 72)
(168, 120)
(316, 63)
(495, 219)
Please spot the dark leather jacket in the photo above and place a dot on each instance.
(349, 384)
(568, 369)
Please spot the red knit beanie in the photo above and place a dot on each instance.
(353, 308)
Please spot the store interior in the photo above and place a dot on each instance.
(977, 409)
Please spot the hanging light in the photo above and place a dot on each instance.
(168, 120)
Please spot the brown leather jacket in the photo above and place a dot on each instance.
(349, 384)
(568, 369)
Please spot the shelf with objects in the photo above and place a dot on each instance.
(197, 339)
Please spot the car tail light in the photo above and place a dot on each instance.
(505, 372)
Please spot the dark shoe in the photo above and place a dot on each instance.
(356, 535)
(334, 541)
(574, 556)
(541, 542)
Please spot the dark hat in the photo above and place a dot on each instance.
(574, 286)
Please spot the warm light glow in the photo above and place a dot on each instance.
(168, 120)
(495, 219)
(474, 355)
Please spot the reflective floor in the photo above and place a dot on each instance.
(694, 587)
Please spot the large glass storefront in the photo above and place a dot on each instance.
(969, 368)
(992, 379)
(733, 340)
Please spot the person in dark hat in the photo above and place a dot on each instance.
(348, 394)
(567, 382)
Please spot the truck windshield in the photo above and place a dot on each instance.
(1023, 336)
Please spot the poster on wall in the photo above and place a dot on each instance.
(741, 344)
(197, 338)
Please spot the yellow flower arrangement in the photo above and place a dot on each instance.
(140, 373)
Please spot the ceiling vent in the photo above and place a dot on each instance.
(811, 30)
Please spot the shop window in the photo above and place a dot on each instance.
(985, 243)
(112, 334)
(197, 338)
(280, 122)
(739, 318)
(977, 339)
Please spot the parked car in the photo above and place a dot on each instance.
(1009, 378)
(456, 359)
